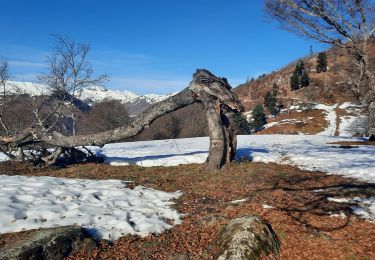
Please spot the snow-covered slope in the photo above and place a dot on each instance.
(89, 95)
(97, 94)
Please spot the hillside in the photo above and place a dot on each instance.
(325, 103)
(327, 86)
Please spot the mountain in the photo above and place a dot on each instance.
(134, 103)
(324, 107)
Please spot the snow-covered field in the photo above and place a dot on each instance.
(309, 152)
(109, 210)
(106, 208)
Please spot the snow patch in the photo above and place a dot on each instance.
(105, 208)
(330, 117)
(238, 201)
(364, 207)
(265, 206)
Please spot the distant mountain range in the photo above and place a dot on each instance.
(134, 103)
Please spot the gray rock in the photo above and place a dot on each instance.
(52, 243)
(247, 238)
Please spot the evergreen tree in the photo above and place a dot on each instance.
(300, 67)
(294, 81)
(243, 125)
(321, 62)
(259, 118)
(305, 79)
(300, 77)
(270, 103)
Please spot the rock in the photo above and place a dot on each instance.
(247, 238)
(372, 138)
(52, 243)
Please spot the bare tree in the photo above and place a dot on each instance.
(4, 77)
(69, 71)
(347, 24)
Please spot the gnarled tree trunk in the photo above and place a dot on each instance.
(212, 91)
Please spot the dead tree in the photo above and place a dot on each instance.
(215, 94)
(4, 77)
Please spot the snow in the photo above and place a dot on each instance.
(364, 207)
(28, 88)
(351, 125)
(90, 94)
(156, 153)
(330, 117)
(309, 152)
(270, 125)
(354, 123)
(109, 210)
(266, 206)
(284, 121)
(238, 201)
(105, 208)
(97, 94)
(346, 105)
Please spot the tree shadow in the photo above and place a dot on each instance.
(318, 205)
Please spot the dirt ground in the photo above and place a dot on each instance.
(301, 215)
(308, 122)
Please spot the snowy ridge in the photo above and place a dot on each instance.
(90, 95)
(28, 88)
(105, 208)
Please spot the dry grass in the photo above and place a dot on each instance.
(351, 143)
(301, 214)
(308, 122)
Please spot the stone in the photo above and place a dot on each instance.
(51, 243)
(247, 237)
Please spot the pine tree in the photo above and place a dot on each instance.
(270, 103)
(259, 118)
(300, 67)
(305, 79)
(241, 122)
(321, 62)
(294, 81)
(300, 77)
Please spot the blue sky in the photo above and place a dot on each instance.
(150, 46)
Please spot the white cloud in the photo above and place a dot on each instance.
(29, 64)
